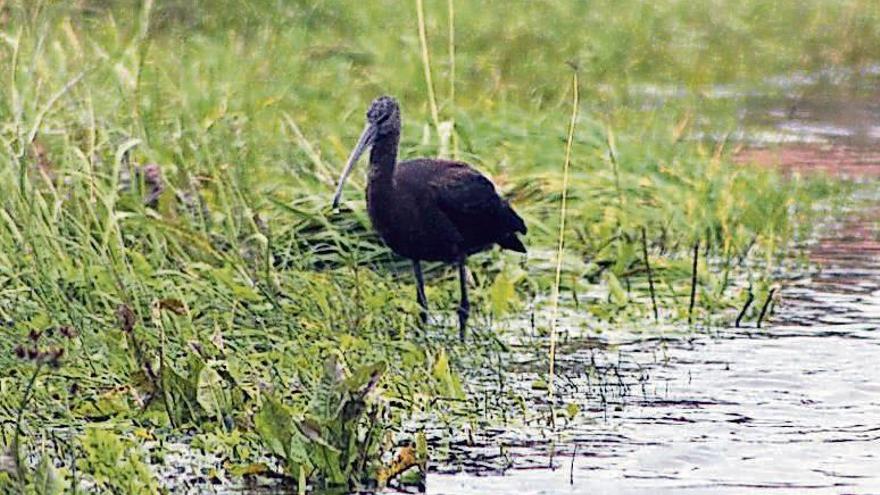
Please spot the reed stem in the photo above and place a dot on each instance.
(451, 6)
(21, 469)
(765, 306)
(551, 386)
(694, 282)
(650, 276)
(451, 9)
(426, 64)
(745, 308)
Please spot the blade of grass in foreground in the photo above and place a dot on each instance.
(426, 63)
(559, 247)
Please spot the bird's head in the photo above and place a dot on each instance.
(384, 115)
(383, 119)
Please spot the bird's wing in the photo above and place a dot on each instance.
(464, 195)
(461, 190)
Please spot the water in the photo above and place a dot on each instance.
(791, 408)
(794, 407)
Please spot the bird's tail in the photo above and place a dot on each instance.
(512, 243)
(515, 222)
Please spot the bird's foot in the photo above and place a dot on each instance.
(463, 312)
(424, 317)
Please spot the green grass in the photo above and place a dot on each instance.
(241, 283)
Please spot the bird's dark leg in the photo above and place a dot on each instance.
(464, 308)
(420, 291)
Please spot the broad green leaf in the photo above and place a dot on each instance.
(181, 393)
(449, 383)
(275, 426)
(365, 378)
(313, 431)
(327, 395)
(615, 289)
(46, 481)
(502, 294)
(209, 391)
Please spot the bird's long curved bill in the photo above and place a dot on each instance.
(363, 143)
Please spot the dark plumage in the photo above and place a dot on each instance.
(430, 209)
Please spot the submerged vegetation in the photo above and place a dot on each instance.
(170, 269)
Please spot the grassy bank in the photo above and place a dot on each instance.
(170, 266)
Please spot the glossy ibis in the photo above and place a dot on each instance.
(429, 209)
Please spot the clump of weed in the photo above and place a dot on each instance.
(339, 440)
(15, 473)
(114, 465)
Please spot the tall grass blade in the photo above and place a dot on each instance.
(451, 8)
(554, 312)
(426, 65)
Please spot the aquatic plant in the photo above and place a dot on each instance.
(338, 440)
(166, 170)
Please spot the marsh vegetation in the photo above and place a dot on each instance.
(171, 272)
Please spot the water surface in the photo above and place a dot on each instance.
(790, 408)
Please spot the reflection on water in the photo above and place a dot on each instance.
(820, 112)
(790, 408)
(795, 406)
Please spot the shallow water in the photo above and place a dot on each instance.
(790, 408)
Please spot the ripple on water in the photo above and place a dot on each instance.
(792, 408)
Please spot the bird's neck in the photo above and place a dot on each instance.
(383, 155)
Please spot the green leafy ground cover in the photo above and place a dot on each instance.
(170, 267)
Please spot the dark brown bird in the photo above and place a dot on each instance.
(429, 209)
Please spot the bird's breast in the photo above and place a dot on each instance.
(410, 228)
(389, 223)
